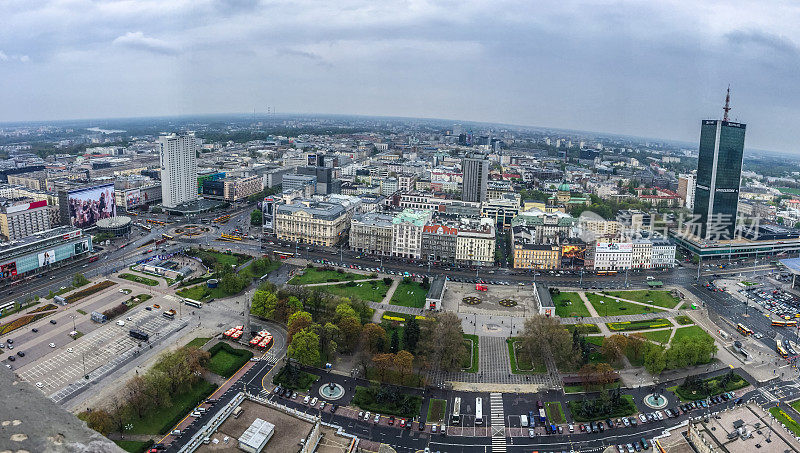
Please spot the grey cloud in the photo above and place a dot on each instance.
(138, 41)
(762, 39)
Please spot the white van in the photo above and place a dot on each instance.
(523, 421)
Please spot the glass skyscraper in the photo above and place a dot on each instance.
(719, 171)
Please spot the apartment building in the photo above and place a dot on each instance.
(475, 243)
(371, 233)
(21, 218)
(311, 222)
(407, 229)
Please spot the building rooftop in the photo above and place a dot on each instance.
(257, 434)
(436, 290)
(317, 209)
(40, 236)
(374, 219)
(416, 216)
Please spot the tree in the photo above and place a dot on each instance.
(297, 322)
(256, 217)
(264, 304)
(374, 337)
(404, 364)
(329, 338)
(559, 344)
(79, 280)
(350, 329)
(344, 310)
(426, 282)
(232, 284)
(383, 363)
(411, 335)
(442, 342)
(395, 344)
(98, 420)
(654, 360)
(304, 347)
(636, 345)
(613, 347)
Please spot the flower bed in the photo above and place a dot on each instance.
(47, 307)
(76, 296)
(22, 321)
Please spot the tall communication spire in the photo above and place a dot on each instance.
(727, 107)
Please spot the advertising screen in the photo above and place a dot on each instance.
(608, 247)
(87, 206)
(572, 251)
(132, 198)
(9, 269)
(81, 247)
(47, 257)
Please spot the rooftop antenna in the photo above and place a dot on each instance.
(727, 107)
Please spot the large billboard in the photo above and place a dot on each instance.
(81, 247)
(614, 247)
(47, 257)
(132, 198)
(9, 269)
(87, 206)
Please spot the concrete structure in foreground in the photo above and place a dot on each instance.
(255, 438)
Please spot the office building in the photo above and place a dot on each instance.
(719, 171)
(43, 250)
(371, 233)
(686, 187)
(475, 169)
(23, 217)
(178, 158)
(475, 243)
(407, 232)
(311, 222)
(439, 242)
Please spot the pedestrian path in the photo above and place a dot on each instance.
(620, 318)
(339, 283)
(498, 422)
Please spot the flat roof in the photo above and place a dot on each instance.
(436, 290)
(545, 300)
(257, 434)
(793, 264)
(40, 236)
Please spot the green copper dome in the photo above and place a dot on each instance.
(564, 187)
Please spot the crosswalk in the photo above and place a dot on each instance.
(498, 422)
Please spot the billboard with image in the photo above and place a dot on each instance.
(8, 270)
(88, 205)
(47, 257)
(132, 198)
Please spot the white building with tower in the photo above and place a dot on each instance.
(178, 157)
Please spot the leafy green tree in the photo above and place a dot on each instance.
(350, 329)
(297, 322)
(304, 347)
(79, 280)
(395, 344)
(411, 335)
(344, 310)
(264, 304)
(655, 360)
(232, 284)
(256, 217)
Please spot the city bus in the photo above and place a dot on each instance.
(193, 303)
(603, 273)
(157, 222)
(478, 411)
(284, 255)
(167, 236)
(781, 323)
(229, 237)
(456, 410)
(779, 347)
(222, 219)
(744, 330)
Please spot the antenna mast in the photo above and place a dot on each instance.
(727, 107)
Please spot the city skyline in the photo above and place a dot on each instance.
(570, 66)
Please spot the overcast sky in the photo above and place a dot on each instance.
(649, 68)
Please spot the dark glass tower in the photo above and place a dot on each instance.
(719, 171)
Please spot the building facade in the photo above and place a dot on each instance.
(686, 187)
(475, 243)
(407, 229)
(178, 157)
(536, 256)
(311, 222)
(236, 189)
(475, 168)
(719, 172)
(371, 233)
(439, 242)
(642, 254)
(604, 256)
(42, 251)
(22, 218)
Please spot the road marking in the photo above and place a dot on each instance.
(498, 423)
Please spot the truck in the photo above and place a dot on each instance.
(169, 314)
(523, 421)
(139, 335)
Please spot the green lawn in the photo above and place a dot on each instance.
(795, 405)
(198, 342)
(659, 336)
(226, 360)
(160, 420)
(223, 258)
(301, 382)
(373, 291)
(639, 325)
(521, 363)
(684, 320)
(582, 328)
(133, 446)
(139, 279)
(660, 298)
(689, 332)
(313, 275)
(437, 410)
(786, 419)
(569, 305)
(555, 413)
(714, 388)
(473, 347)
(404, 405)
(595, 356)
(202, 292)
(574, 389)
(605, 306)
(409, 295)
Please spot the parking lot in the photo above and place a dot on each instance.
(68, 361)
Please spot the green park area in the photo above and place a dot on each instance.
(639, 325)
(165, 417)
(226, 360)
(585, 410)
(663, 299)
(139, 279)
(409, 294)
(437, 410)
(582, 329)
(689, 332)
(569, 304)
(694, 388)
(659, 336)
(372, 291)
(133, 446)
(202, 292)
(212, 257)
(555, 413)
(683, 320)
(520, 361)
(198, 342)
(606, 306)
(471, 363)
(312, 275)
(294, 378)
(387, 400)
(786, 419)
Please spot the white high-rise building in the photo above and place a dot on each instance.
(178, 155)
(686, 187)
